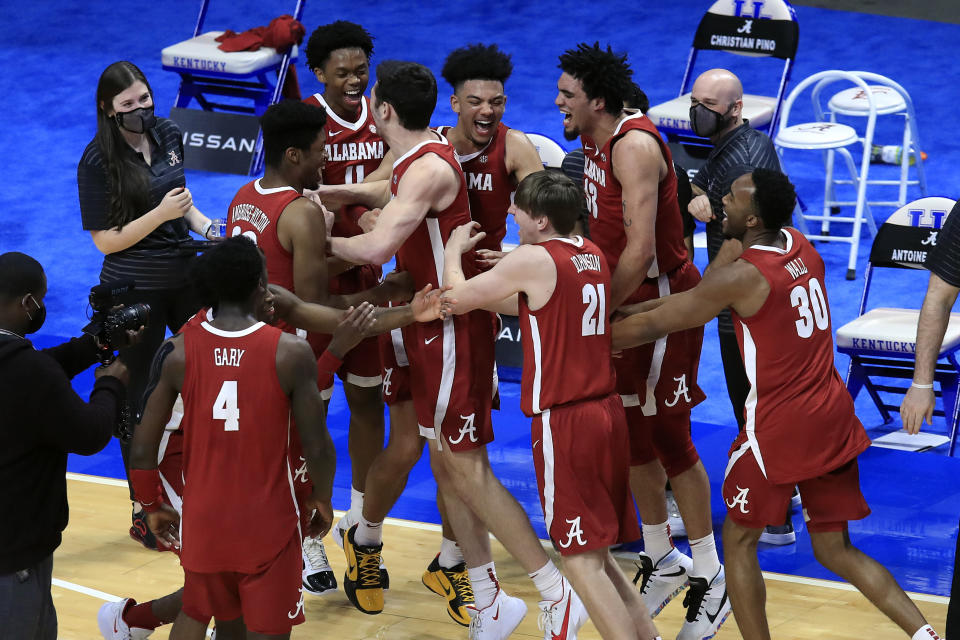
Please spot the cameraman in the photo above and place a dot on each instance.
(43, 420)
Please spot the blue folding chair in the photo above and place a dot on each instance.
(766, 28)
(882, 342)
(245, 76)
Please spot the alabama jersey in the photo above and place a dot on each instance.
(490, 187)
(236, 471)
(605, 200)
(800, 420)
(422, 252)
(255, 212)
(569, 331)
(354, 150)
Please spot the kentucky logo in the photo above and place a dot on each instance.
(575, 533)
(467, 430)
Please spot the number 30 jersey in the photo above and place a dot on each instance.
(800, 421)
(566, 342)
(236, 428)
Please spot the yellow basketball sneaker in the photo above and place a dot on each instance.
(453, 584)
(362, 582)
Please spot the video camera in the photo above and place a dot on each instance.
(108, 324)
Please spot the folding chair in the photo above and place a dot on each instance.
(755, 29)
(881, 342)
(206, 71)
(551, 153)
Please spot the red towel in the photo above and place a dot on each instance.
(282, 33)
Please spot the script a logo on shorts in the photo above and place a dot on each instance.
(575, 533)
(739, 500)
(386, 380)
(466, 430)
(301, 473)
(681, 390)
(298, 609)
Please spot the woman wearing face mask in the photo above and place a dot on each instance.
(135, 204)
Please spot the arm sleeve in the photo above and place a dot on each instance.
(63, 420)
(944, 260)
(94, 193)
(74, 356)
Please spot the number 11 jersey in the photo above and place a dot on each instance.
(238, 502)
(800, 420)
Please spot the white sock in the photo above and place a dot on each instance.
(925, 632)
(656, 541)
(485, 585)
(369, 534)
(356, 506)
(450, 554)
(549, 582)
(706, 563)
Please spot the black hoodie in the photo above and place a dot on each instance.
(41, 420)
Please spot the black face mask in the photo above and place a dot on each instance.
(37, 318)
(706, 122)
(138, 120)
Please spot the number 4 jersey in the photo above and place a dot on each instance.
(238, 501)
(800, 420)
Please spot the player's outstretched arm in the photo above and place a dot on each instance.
(636, 164)
(427, 305)
(497, 289)
(297, 372)
(429, 183)
(739, 285)
(163, 386)
(918, 403)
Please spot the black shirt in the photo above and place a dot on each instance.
(736, 153)
(944, 260)
(43, 420)
(156, 262)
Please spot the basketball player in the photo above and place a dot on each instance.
(291, 231)
(339, 55)
(631, 191)
(561, 287)
(494, 157)
(451, 362)
(240, 380)
(125, 618)
(800, 427)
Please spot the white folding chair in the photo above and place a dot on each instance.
(551, 153)
(832, 137)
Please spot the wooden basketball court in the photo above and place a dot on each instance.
(99, 562)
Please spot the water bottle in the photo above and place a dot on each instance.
(891, 154)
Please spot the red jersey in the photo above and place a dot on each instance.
(354, 150)
(422, 252)
(255, 212)
(236, 471)
(566, 342)
(605, 201)
(800, 420)
(490, 187)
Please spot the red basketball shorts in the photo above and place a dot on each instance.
(581, 457)
(829, 500)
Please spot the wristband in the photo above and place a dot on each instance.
(327, 365)
(921, 386)
(146, 488)
(205, 229)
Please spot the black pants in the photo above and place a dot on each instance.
(169, 309)
(738, 386)
(26, 606)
